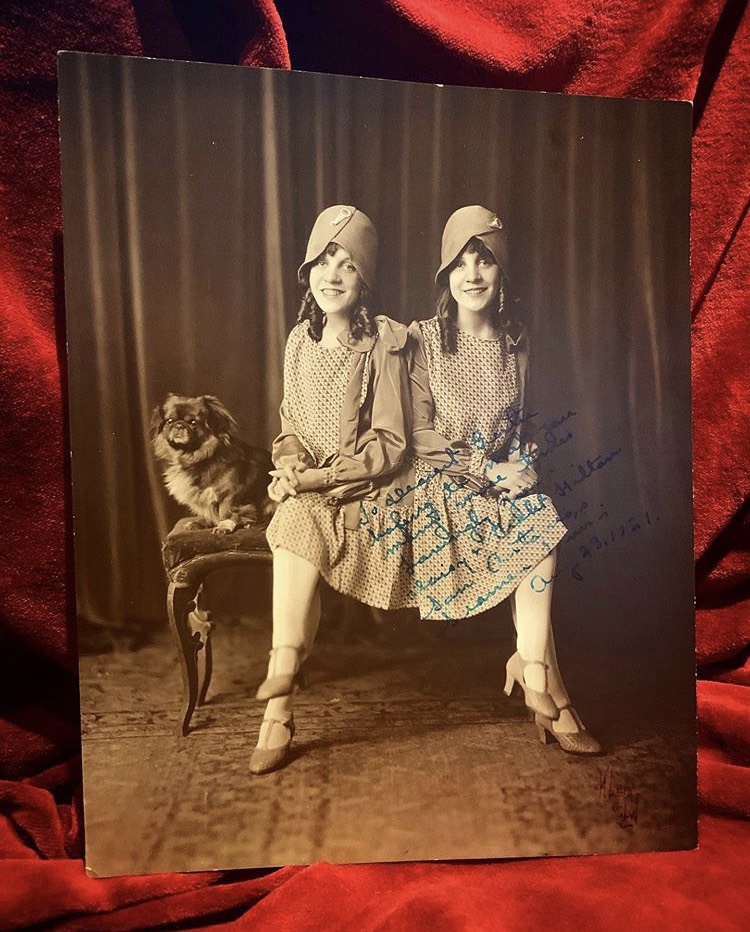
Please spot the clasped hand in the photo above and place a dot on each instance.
(514, 477)
(287, 481)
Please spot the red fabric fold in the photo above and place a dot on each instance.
(724, 736)
(612, 893)
(657, 47)
(690, 890)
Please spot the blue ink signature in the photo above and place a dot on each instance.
(400, 529)
(586, 471)
(546, 431)
(609, 537)
(539, 583)
(400, 492)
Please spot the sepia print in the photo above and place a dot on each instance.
(381, 460)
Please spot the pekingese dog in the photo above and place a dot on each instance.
(220, 478)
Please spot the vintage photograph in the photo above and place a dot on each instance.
(381, 462)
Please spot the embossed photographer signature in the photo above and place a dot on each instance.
(623, 799)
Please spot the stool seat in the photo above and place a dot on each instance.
(189, 556)
(186, 551)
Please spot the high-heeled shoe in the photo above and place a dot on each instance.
(573, 742)
(537, 701)
(282, 684)
(265, 759)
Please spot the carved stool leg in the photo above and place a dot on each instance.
(200, 622)
(180, 602)
(208, 667)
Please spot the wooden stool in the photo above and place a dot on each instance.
(189, 556)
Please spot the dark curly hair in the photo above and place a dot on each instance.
(445, 303)
(362, 322)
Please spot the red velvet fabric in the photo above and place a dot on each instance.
(688, 49)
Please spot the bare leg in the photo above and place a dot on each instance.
(533, 613)
(555, 683)
(296, 616)
(296, 600)
(532, 616)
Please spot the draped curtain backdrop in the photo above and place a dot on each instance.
(189, 191)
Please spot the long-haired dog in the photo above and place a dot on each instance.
(220, 478)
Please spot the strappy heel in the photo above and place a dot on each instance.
(265, 759)
(283, 684)
(573, 742)
(538, 701)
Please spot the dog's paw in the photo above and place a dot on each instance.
(188, 524)
(224, 527)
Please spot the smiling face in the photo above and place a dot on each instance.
(474, 279)
(335, 282)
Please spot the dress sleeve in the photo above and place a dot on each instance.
(519, 436)
(380, 449)
(452, 457)
(287, 447)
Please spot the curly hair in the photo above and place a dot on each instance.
(445, 303)
(362, 322)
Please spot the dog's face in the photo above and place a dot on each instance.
(184, 425)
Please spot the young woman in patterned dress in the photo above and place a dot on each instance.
(479, 532)
(344, 432)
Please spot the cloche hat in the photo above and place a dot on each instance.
(353, 231)
(468, 222)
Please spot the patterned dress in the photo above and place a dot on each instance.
(356, 561)
(471, 549)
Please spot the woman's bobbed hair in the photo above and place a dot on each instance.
(362, 321)
(445, 304)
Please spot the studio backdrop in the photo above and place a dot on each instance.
(189, 192)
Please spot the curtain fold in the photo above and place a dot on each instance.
(189, 194)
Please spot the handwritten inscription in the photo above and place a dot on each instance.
(398, 494)
(473, 559)
(548, 436)
(585, 471)
(454, 530)
(582, 546)
(539, 583)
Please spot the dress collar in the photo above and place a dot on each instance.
(391, 333)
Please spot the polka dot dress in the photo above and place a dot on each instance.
(471, 550)
(361, 562)
(315, 382)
